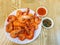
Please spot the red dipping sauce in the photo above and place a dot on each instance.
(42, 11)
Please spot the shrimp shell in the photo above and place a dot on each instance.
(9, 27)
(22, 37)
(14, 33)
(11, 18)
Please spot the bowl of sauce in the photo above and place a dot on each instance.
(41, 11)
(47, 22)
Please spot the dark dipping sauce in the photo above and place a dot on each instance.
(47, 23)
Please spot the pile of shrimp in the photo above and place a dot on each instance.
(22, 25)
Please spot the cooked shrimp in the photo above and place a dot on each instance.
(11, 18)
(33, 25)
(9, 27)
(22, 36)
(19, 13)
(26, 17)
(23, 17)
(30, 15)
(22, 30)
(17, 28)
(16, 23)
(31, 34)
(37, 19)
(27, 29)
(32, 20)
(27, 11)
(14, 33)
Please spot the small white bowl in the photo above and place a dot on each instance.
(51, 22)
(44, 8)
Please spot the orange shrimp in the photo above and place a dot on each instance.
(14, 33)
(27, 29)
(27, 12)
(16, 23)
(32, 20)
(11, 18)
(37, 19)
(19, 13)
(17, 28)
(22, 36)
(33, 25)
(30, 15)
(30, 35)
(9, 27)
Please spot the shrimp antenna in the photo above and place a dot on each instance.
(27, 12)
(35, 14)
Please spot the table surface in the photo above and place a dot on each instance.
(47, 37)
